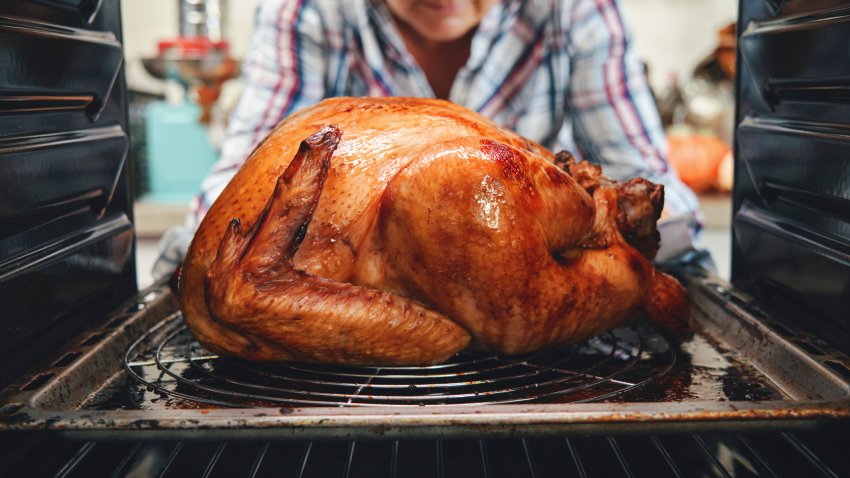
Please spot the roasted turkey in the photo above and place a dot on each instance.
(401, 231)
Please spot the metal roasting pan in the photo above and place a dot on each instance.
(807, 383)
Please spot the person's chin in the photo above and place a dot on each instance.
(445, 32)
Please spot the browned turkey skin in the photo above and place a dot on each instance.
(401, 231)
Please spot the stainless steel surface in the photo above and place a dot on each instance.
(202, 18)
(737, 352)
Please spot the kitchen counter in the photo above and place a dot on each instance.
(716, 235)
(154, 218)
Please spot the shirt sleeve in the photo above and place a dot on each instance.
(615, 121)
(283, 72)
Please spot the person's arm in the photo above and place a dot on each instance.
(615, 120)
(284, 71)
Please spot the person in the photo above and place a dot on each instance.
(560, 72)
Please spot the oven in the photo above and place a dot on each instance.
(99, 379)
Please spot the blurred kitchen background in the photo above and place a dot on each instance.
(181, 91)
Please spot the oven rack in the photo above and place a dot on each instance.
(168, 360)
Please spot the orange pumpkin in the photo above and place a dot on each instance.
(696, 158)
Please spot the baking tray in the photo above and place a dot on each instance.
(741, 369)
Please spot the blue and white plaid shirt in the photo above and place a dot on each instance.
(560, 72)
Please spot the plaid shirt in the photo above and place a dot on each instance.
(560, 72)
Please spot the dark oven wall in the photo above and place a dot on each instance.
(66, 230)
(792, 178)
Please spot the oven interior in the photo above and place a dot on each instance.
(98, 379)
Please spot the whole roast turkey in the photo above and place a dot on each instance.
(401, 231)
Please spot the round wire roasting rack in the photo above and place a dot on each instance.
(168, 361)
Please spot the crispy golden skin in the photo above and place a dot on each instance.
(400, 231)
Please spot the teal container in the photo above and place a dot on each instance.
(179, 151)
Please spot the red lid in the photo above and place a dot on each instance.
(191, 46)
